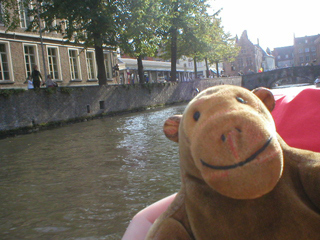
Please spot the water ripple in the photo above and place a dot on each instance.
(86, 181)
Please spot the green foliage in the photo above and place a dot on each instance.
(10, 14)
(66, 90)
(188, 20)
(50, 90)
(206, 39)
(222, 46)
(139, 27)
(179, 17)
(139, 22)
(138, 30)
(128, 86)
(8, 92)
(91, 22)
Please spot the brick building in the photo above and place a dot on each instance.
(67, 63)
(250, 59)
(307, 50)
(304, 52)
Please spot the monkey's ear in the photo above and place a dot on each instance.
(171, 127)
(266, 96)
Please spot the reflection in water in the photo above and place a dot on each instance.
(87, 180)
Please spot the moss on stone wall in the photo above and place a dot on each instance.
(9, 92)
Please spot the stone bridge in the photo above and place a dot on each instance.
(282, 76)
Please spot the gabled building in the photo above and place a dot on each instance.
(250, 59)
(68, 64)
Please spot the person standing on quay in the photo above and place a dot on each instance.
(50, 82)
(36, 75)
(29, 82)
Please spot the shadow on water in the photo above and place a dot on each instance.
(87, 180)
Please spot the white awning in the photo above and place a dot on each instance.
(131, 64)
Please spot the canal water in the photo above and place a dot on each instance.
(86, 181)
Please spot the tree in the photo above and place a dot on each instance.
(222, 46)
(179, 15)
(89, 22)
(195, 41)
(138, 33)
(10, 14)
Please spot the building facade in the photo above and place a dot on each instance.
(307, 50)
(68, 64)
(284, 56)
(304, 52)
(251, 58)
(73, 65)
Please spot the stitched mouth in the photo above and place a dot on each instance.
(239, 164)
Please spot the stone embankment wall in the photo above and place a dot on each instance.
(35, 109)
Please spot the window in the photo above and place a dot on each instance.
(53, 62)
(279, 57)
(91, 65)
(287, 56)
(249, 61)
(23, 13)
(313, 49)
(307, 58)
(240, 62)
(74, 64)
(199, 64)
(301, 59)
(30, 58)
(300, 50)
(107, 64)
(307, 50)
(4, 63)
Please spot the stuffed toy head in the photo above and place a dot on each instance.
(227, 138)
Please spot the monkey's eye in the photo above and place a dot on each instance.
(196, 115)
(241, 100)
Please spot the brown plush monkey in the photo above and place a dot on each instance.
(240, 180)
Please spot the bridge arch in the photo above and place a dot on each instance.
(283, 76)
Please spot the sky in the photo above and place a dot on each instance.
(273, 22)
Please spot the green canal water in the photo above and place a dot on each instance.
(86, 181)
